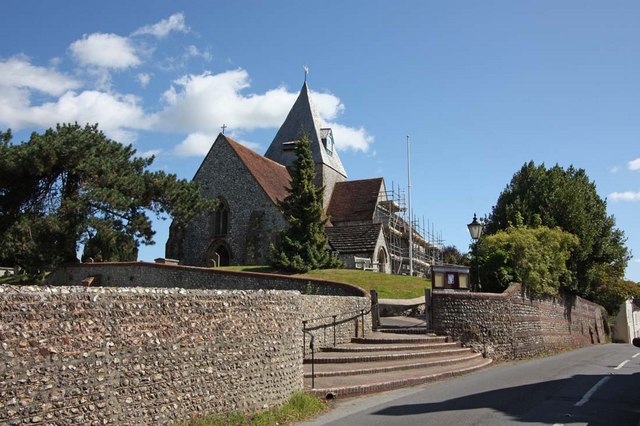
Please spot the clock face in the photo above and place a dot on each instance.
(329, 144)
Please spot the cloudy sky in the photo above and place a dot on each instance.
(480, 87)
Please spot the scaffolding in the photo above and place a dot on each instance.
(397, 222)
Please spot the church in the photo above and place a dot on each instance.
(365, 227)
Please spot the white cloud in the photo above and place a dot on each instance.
(105, 50)
(625, 196)
(18, 72)
(143, 78)
(634, 164)
(161, 29)
(199, 104)
(615, 169)
(196, 144)
(350, 138)
(118, 115)
(150, 153)
(327, 105)
(192, 51)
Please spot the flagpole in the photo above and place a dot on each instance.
(410, 210)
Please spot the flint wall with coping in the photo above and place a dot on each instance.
(515, 325)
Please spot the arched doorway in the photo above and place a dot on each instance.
(218, 255)
(382, 260)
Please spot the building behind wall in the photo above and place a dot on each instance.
(627, 326)
(368, 226)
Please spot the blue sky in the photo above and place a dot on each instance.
(480, 87)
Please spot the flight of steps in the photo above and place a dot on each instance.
(385, 360)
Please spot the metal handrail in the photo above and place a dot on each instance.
(307, 330)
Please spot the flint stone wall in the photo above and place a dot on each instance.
(513, 325)
(318, 317)
(74, 355)
(145, 274)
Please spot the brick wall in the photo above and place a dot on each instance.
(73, 355)
(513, 325)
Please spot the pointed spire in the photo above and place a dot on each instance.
(303, 117)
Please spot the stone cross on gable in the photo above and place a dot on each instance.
(224, 126)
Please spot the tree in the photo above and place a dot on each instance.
(535, 257)
(71, 185)
(452, 256)
(303, 245)
(556, 197)
(611, 295)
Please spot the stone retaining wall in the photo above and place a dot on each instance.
(73, 355)
(512, 325)
(318, 317)
(145, 274)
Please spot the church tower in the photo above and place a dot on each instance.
(304, 118)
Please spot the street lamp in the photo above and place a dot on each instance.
(475, 229)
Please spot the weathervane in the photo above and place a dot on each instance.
(306, 71)
(224, 126)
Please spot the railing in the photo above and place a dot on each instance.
(332, 324)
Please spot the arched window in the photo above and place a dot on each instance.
(218, 254)
(221, 219)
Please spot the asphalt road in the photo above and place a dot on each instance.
(597, 385)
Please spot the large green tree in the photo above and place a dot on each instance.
(536, 257)
(72, 185)
(555, 197)
(303, 245)
(611, 295)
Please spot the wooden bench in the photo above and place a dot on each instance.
(365, 264)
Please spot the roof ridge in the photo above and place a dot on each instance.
(235, 144)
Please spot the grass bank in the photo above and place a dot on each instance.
(388, 286)
(301, 406)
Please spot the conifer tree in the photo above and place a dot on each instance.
(303, 245)
(73, 186)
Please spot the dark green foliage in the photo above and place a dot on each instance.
(535, 257)
(72, 185)
(303, 245)
(611, 295)
(452, 256)
(556, 197)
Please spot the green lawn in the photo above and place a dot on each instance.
(388, 286)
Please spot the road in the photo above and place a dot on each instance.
(597, 385)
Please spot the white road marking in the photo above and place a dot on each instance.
(591, 391)
(621, 365)
(636, 355)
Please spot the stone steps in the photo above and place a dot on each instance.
(377, 356)
(372, 367)
(384, 361)
(364, 347)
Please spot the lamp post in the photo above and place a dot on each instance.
(475, 229)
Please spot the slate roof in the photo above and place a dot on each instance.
(354, 200)
(354, 238)
(303, 116)
(272, 177)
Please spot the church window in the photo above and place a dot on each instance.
(221, 219)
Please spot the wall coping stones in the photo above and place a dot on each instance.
(346, 289)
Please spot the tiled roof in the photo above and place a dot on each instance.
(272, 177)
(354, 200)
(354, 238)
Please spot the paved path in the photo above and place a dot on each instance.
(597, 385)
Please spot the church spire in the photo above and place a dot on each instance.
(303, 117)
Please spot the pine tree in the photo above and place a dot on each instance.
(303, 245)
(71, 186)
